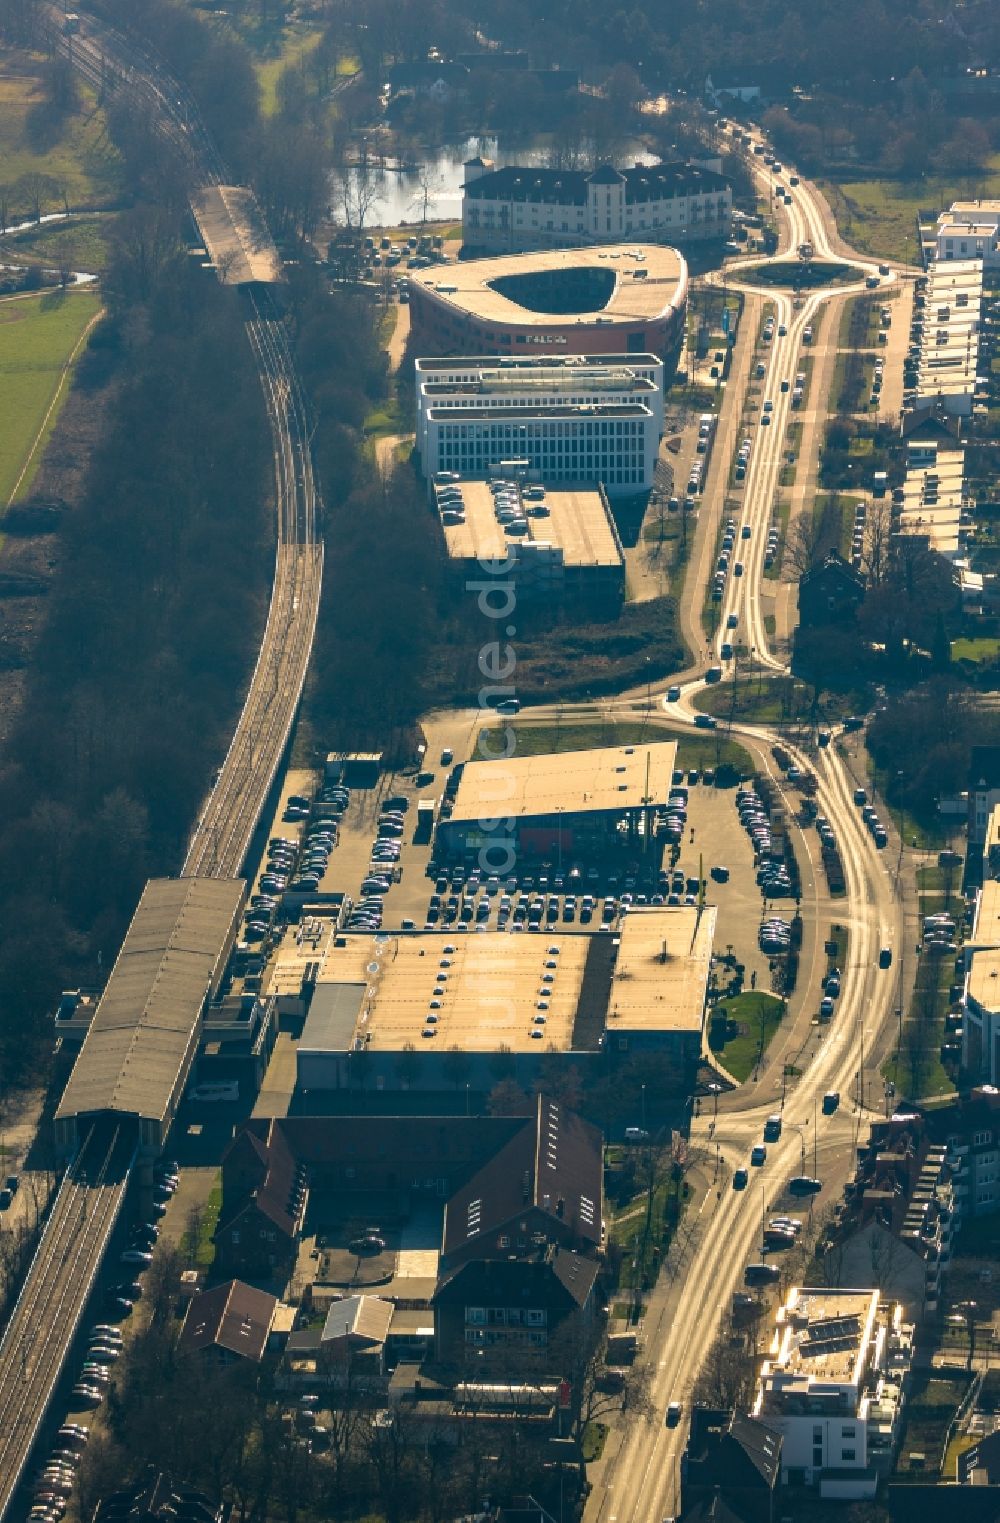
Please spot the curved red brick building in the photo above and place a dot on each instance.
(619, 299)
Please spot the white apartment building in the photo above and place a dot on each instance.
(528, 208)
(981, 996)
(991, 846)
(970, 230)
(931, 502)
(947, 352)
(577, 418)
(832, 1385)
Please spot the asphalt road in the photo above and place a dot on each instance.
(637, 1479)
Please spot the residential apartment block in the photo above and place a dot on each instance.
(945, 353)
(970, 230)
(832, 1386)
(896, 1225)
(970, 1130)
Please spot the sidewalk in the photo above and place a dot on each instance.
(661, 1301)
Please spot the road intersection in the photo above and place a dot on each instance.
(637, 1480)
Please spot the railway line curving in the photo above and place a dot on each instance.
(45, 1319)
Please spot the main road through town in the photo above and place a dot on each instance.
(637, 1480)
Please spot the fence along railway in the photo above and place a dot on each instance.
(134, 1064)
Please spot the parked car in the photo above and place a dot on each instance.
(761, 1274)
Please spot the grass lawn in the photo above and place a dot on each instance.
(984, 649)
(37, 336)
(205, 1252)
(76, 156)
(780, 518)
(582, 735)
(387, 418)
(880, 216)
(772, 700)
(840, 935)
(958, 1445)
(296, 42)
(759, 1016)
(917, 1069)
(81, 244)
(926, 835)
(592, 1444)
(932, 1402)
(644, 1233)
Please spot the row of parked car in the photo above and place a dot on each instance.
(366, 914)
(773, 877)
(53, 1485)
(296, 865)
(722, 564)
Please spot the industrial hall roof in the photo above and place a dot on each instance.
(147, 1019)
(615, 778)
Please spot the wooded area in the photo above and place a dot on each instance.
(154, 615)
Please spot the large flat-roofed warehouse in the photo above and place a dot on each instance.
(566, 801)
(572, 418)
(566, 548)
(393, 1010)
(235, 235)
(619, 299)
(137, 1054)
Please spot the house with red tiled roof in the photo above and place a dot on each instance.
(521, 1244)
(230, 1321)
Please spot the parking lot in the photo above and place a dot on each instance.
(374, 851)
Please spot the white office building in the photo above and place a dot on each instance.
(832, 1385)
(579, 418)
(531, 208)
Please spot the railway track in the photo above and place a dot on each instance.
(45, 1320)
(222, 835)
(48, 1311)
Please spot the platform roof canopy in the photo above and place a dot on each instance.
(147, 1019)
(235, 234)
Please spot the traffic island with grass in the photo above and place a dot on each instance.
(741, 1029)
(801, 275)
